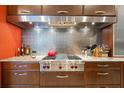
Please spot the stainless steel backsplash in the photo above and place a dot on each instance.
(69, 41)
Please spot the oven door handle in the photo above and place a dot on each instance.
(62, 76)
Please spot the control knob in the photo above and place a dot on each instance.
(60, 67)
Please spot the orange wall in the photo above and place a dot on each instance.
(10, 36)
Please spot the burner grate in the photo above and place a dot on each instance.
(49, 58)
(73, 57)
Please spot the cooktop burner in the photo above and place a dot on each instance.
(73, 57)
(62, 57)
(49, 58)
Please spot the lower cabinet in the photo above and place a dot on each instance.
(0, 76)
(122, 74)
(13, 77)
(102, 86)
(102, 75)
(20, 75)
(61, 79)
(21, 86)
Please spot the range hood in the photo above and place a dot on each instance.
(64, 21)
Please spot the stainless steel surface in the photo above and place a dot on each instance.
(64, 21)
(68, 41)
(61, 66)
(62, 63)
(118, 34)
(55, 19)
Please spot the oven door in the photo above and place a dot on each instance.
(62, 79)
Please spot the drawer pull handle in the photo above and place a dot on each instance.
(102, 65)
(24, 12)
(100, 12)
(62, 12)
(102, 74)
(62, 76)
(20, 66)
(103, 87)
(20, 74)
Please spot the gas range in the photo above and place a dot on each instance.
(68, 57)
(62, 63)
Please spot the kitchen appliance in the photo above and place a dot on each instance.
(61, 21)
(62, 63)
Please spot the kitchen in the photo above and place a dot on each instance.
(44, 46)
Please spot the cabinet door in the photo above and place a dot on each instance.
(111, 76)
(99, 10)
(102, 86)
(102, 65)
(61, 79)
(122, 75)
(21, 66)
(0, 75)
(14, 77)
(21, 86)
(24, 9)
(59, 10)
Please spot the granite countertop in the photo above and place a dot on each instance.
(39, 58)
(23, 58)
(102, 59)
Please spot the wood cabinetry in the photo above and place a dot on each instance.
(61, 10)
(102, 74)
(0, 76)
(61, 79)
(17, 74)
(99, 10)
(102, 86)
(24, 10)
(122, 75)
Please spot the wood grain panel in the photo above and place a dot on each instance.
(21, 66)
(61, 79)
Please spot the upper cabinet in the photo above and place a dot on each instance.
(99, 10)
(24, 10)
(63, 10)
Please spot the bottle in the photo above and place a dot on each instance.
(18, 52)
(22, 50)
(27, 50)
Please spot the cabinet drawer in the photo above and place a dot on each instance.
(99, 10)
(102, 65)
(61, 79)
(21, 86)
(0, 76)
(102, 86)
(24, 9)
(102, 77)
(11, 77)
(21, 66)
(58, 10)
